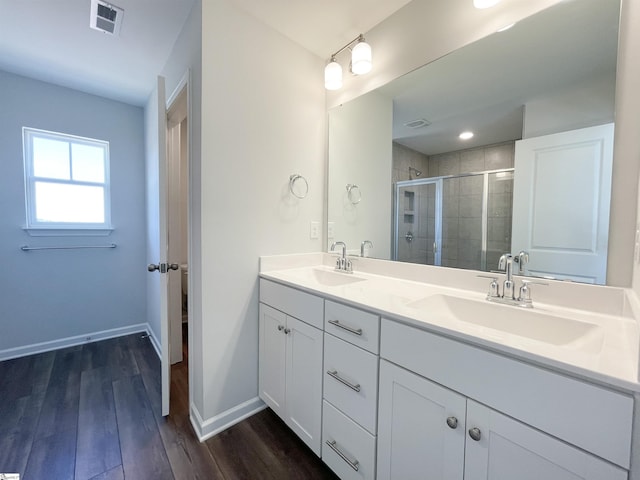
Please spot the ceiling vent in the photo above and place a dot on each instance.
(106, 17)
(418, 123)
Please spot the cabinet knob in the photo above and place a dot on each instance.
(452, 422)
(287, 331)
(280, 328)
(475, 434)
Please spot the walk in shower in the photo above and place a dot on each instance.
(461, 221)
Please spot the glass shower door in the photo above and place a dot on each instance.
(417, 235)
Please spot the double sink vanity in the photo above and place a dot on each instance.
(401, 371)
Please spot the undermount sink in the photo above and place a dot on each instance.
(542, 327)
(328, 278)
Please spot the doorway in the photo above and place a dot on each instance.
(178, 221)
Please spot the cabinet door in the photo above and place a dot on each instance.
(415, 441)
(304, 382)
(509, 449)
(272, 352)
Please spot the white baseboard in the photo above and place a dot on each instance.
(73, 341)
(206, 429)
(154, 341)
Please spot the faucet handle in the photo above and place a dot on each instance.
(348, 265)
(494, 287)
(525, 289)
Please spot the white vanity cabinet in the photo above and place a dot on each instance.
(421, 427)
(290, 356)
(424, 427)
(349, 425)
(460, 412)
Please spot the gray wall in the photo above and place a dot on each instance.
(51, 295)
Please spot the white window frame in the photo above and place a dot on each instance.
(36, 228)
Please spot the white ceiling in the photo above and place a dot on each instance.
(322, 27)
(50, 40)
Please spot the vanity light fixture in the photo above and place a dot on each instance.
(480, 4)
(359, 65)
(465, 135)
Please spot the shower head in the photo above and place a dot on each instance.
(414, 170)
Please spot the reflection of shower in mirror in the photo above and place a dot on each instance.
(415, 171)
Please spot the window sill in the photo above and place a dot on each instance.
(68, 232)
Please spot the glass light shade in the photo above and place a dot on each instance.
(485, 3)
(361, 58)
(333, 76)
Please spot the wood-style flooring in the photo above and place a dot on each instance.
(93, 412)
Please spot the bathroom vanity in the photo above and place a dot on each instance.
(397, 370)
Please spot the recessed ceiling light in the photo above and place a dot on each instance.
(485, 3)
(466, 135)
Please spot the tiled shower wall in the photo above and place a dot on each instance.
(403, 158)
(462, 206)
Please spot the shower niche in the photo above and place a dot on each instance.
(461, 221)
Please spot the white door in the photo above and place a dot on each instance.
(503, 448)
(272, 354)
(304, 381)
(421, 428)
(561, 201)
(158, 240)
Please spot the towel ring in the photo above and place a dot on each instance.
(353, 192)
(299, 192)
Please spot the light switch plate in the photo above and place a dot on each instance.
(314, 230)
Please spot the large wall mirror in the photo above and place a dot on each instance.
(534, 181)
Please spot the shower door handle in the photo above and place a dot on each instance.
(435, 248)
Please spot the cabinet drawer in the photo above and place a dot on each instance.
(353, 325)
(347, 448)
(298, 304)
(351, 381)
(591, 417)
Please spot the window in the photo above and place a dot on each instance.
(66, 180)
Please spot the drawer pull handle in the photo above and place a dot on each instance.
(475, 434)
(334, 374)
(452, 422)
(355, 331)
(353, 464)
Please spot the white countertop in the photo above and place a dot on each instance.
(610, 358)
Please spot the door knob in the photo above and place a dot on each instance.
(452, 422)
(162, 267)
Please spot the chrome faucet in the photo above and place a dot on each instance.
(343, 264)
(364, 244)
(506, 263)
(509, 288)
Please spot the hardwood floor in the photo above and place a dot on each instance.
(93, 412)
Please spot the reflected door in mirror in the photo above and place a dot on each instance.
(561, 201)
